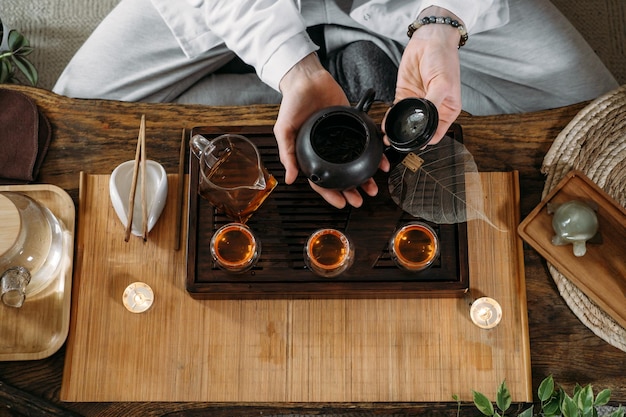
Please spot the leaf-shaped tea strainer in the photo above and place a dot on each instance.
(433, 183)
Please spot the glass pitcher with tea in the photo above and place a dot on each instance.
(232, 176)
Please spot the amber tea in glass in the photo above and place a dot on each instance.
(328, 252)
(414, 247)
(232, 175)
(235, 248)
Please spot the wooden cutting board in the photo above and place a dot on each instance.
(324, 350)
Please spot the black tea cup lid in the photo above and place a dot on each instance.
(411, 124)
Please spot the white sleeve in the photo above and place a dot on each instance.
(478, 15)
(270, 35)
(391, 17)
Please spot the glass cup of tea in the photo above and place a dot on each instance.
(414, 246)
(328, 252)
(235, 248)
(232, 175)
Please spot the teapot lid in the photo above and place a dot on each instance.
(11, 224)
(411, 124)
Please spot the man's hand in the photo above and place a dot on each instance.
(307, 88)
(430, 69)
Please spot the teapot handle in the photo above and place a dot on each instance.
(366, 101)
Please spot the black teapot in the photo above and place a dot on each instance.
(340, 147)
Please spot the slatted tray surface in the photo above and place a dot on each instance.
(286, 350)
(284, 222)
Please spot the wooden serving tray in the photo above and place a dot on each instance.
(601, 272)
(287, 350)
(39, 328)
(287, 218)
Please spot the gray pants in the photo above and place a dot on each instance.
(536, 61)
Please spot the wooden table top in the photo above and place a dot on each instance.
(95, 135)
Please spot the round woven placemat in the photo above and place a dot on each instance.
(594, 142)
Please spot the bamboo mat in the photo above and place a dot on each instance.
(366, 350)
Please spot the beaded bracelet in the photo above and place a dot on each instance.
(418, 23)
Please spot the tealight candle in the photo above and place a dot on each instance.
(485, 312)
(138, 297)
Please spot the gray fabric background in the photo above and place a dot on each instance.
(57, 28)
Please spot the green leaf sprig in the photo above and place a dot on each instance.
(13, 60)
(553, 401)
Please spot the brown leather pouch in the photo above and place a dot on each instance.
(24, 138)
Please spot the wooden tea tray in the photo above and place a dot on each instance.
(287, 218)
(39, 328)
(287, 350)
(601, 272)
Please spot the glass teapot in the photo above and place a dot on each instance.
(31, 247)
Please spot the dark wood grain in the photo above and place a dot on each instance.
(95, 136)
(283, 224)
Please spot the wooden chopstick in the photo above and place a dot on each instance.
(144, 203)
(181, 186)
(139, 157)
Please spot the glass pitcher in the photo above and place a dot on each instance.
(232, 176)
(31, 247)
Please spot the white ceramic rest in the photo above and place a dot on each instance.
(156, 193)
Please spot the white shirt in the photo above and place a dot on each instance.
(271, 35)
